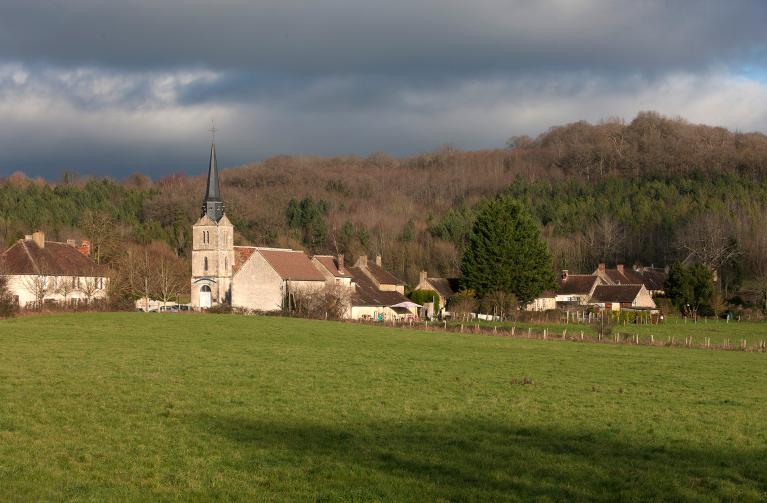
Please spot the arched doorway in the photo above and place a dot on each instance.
(205, 299)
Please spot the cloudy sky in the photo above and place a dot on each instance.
(118, 87)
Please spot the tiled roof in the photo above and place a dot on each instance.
(241, 255)
(576, 284)
(616, 293)
(367, 294)
(331, 264)
(382, 276)
(445, 287)
(54, 259)
(291, 264)
(651, 278)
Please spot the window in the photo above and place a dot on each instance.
(205, 264)
(226, 263)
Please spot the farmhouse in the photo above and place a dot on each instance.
(652, 278)
(617, 297)
(575, 289)
(266, 279)
(444, 288)
(41, 271)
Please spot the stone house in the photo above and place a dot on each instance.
(445, 288)
(575, 289)
(52, 272)
(652, 278)
(376, 293)
(547, 301)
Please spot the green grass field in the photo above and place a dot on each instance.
(716, 330)
(134, 406)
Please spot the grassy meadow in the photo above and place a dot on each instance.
(134, 406)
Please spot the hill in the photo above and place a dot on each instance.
(612, 191)
(138, 406)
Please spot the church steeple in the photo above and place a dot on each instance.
(212, 205)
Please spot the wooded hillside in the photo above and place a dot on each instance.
(653, 190)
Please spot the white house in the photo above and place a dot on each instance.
(41, 271)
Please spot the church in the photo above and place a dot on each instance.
(264, 279)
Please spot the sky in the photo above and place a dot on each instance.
(113, 88)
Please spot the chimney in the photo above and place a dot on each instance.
(620, 268)
(564, 274)
(362, 261)
(85, 247)
(38, 237)
(340, 261)
(378, 260)
(422, 277)
(601, 267)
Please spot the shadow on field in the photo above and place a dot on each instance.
(473, 459)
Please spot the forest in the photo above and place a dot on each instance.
(653, 191)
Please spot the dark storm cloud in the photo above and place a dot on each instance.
(393, 36)
(115, 87)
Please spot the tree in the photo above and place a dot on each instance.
(7, 303)
(500, 302)
(505, 252)
(100, 229)
(464, 303)
(65, 286)
(690, 288)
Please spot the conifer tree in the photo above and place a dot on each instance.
(505, 252)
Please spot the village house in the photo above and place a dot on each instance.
(652, 278)
(266, 279)
(618, 297)
(574, 290)
(41, 272)
(547, 301)
(444, 288)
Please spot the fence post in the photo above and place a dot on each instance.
(564, 334)
(652, 339)
(581, 334)
(512, 330)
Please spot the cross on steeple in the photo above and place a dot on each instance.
(212, 131)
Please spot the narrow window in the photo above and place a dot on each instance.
(205, 264)
(226, 263)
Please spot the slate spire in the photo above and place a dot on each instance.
(212, 205)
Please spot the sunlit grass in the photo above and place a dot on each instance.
(198, 407)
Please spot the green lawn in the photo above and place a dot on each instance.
(716, 330)
(140, 406)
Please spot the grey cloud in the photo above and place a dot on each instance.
(425, 36)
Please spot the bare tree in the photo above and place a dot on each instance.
(500, 302)
(171, 275)
(39, 285)
(91, 285)
(708, 240)
(101, 230)
(65, 287)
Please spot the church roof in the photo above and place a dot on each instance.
(241, 255)
(52, 259)
(291, 264)
(213, 191)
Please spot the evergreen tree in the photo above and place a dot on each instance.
(690, 288)
(505, 252)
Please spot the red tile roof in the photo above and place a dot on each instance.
(54, 259)
(291, 264)
(241, 255)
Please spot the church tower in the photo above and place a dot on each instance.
(212, 245)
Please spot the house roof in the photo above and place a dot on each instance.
(616, 293)
(54, 259)
(651, 278)
(291, 264)
(331, 264)
(241, 255)
(382, 276)
(366, 293)
(576, 284)
(445, 287)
